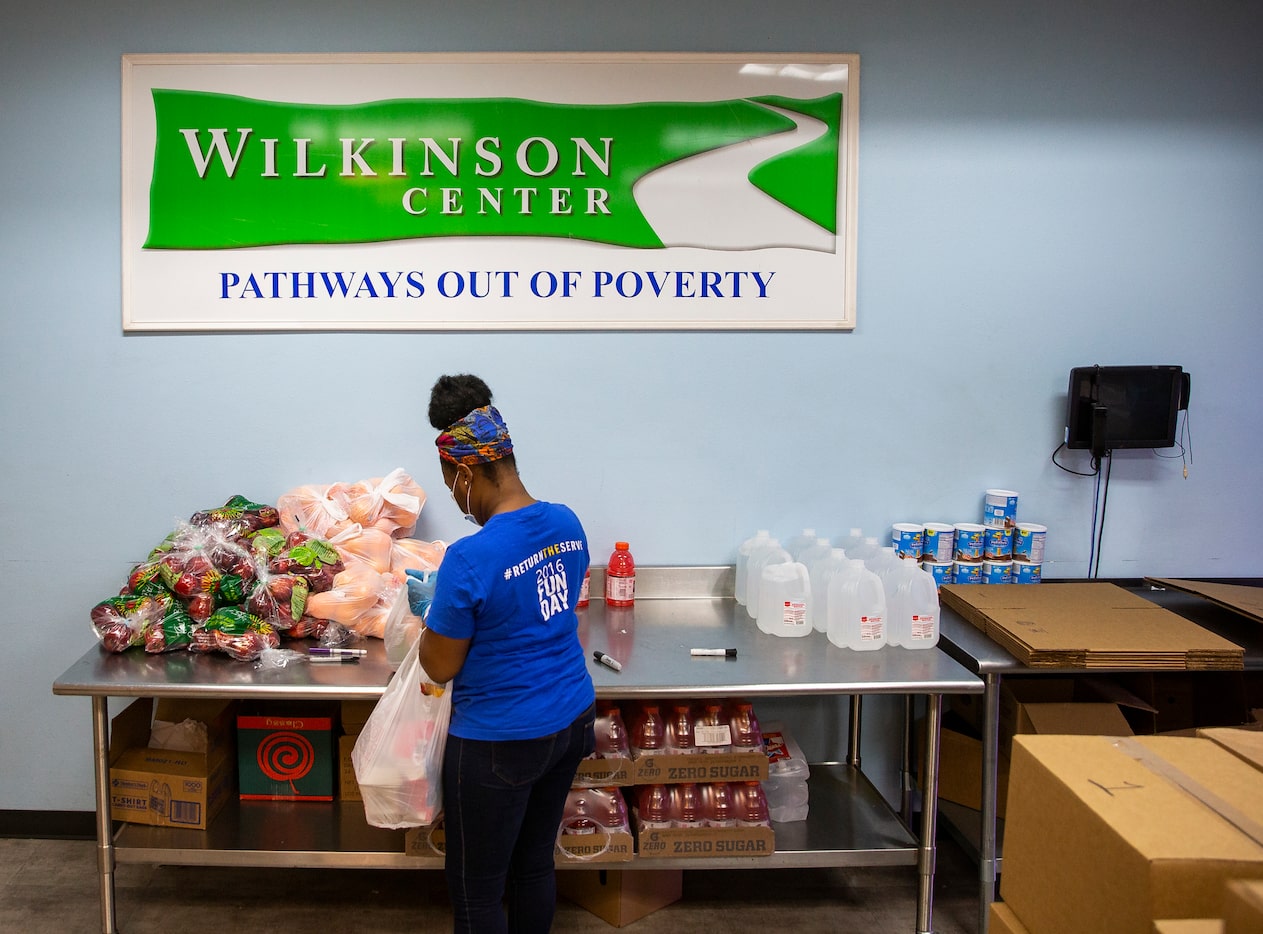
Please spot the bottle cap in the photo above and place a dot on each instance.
(621, 546)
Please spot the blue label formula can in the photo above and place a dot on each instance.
(908, 539)
(1028, 542)
(997, 572)
(968, 541)
(1026, 573)
(997, 543)
(966, 572)
(999, 509)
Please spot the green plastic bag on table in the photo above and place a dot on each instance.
(174, 631)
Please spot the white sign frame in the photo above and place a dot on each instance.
(808, 287)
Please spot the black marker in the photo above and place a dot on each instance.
(607, 661)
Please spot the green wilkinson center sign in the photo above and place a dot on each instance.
(230, 171)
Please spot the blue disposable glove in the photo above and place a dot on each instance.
(421, 590)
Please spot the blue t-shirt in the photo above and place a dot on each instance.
(511, 589)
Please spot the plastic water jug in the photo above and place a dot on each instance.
(864, 550)
(784, 597)
(883, 562)
(821, 572)
(813, 554)
(769, 553)
(744, 550)
(851, 541)
(797, 544)
(914, 609)
(857, 609)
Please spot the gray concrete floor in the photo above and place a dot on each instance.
(50, 887)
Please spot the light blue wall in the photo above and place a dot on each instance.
(1042, 185)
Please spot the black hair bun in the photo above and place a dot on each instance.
(454, 397)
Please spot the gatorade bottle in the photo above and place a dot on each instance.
(718, 809)
(746, 733)
(620, 577)
(585, 590)
(649, 736)
(680, 730)
(654, 806)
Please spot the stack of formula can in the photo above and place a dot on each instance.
(999, 550)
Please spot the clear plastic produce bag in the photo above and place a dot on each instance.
(398, 757)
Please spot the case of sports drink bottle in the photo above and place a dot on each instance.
(595, 828)
(700, 740)
(430, 840)
(702, 819)
(610, 765)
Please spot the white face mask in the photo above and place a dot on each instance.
(469, 492)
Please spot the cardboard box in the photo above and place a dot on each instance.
(1038, 705)
(1089, 624)
(620, 897)
(960, 772)
(285, 753)
(614, 772)
(430, 840)
(1243, 907)
(1187, 700)
(700, 767)
(1106, 836)
(1245, 743)
(960, 755)
(1189, 926)
(348, 787)
(705, 842)
(169, 788)
(595, 848)
(1003, 921)
(355, 714)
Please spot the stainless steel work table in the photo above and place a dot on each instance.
(969, 646)
(850, 824)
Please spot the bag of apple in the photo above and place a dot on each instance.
(121, 622)
(240, 634)
(204, 564)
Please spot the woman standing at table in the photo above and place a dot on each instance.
(500, 624)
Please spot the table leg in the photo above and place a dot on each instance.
(853, 733)
(104, 824)
(987, 862)
(927, 849)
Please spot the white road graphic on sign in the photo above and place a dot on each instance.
(707, 200)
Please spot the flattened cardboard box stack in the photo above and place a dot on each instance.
(1112, 836)
(1089, 625)
(1248, 601)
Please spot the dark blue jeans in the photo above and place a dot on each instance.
(502, 805)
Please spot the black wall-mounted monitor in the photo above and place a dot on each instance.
(1112, 407)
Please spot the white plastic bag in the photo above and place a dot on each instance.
(398, 757)
(401, 629)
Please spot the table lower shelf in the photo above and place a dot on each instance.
(849, 824)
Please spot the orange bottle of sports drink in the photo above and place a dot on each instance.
(620, 577)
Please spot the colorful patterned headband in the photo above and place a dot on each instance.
(478, 438)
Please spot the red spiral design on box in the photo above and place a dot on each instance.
(286, 757)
